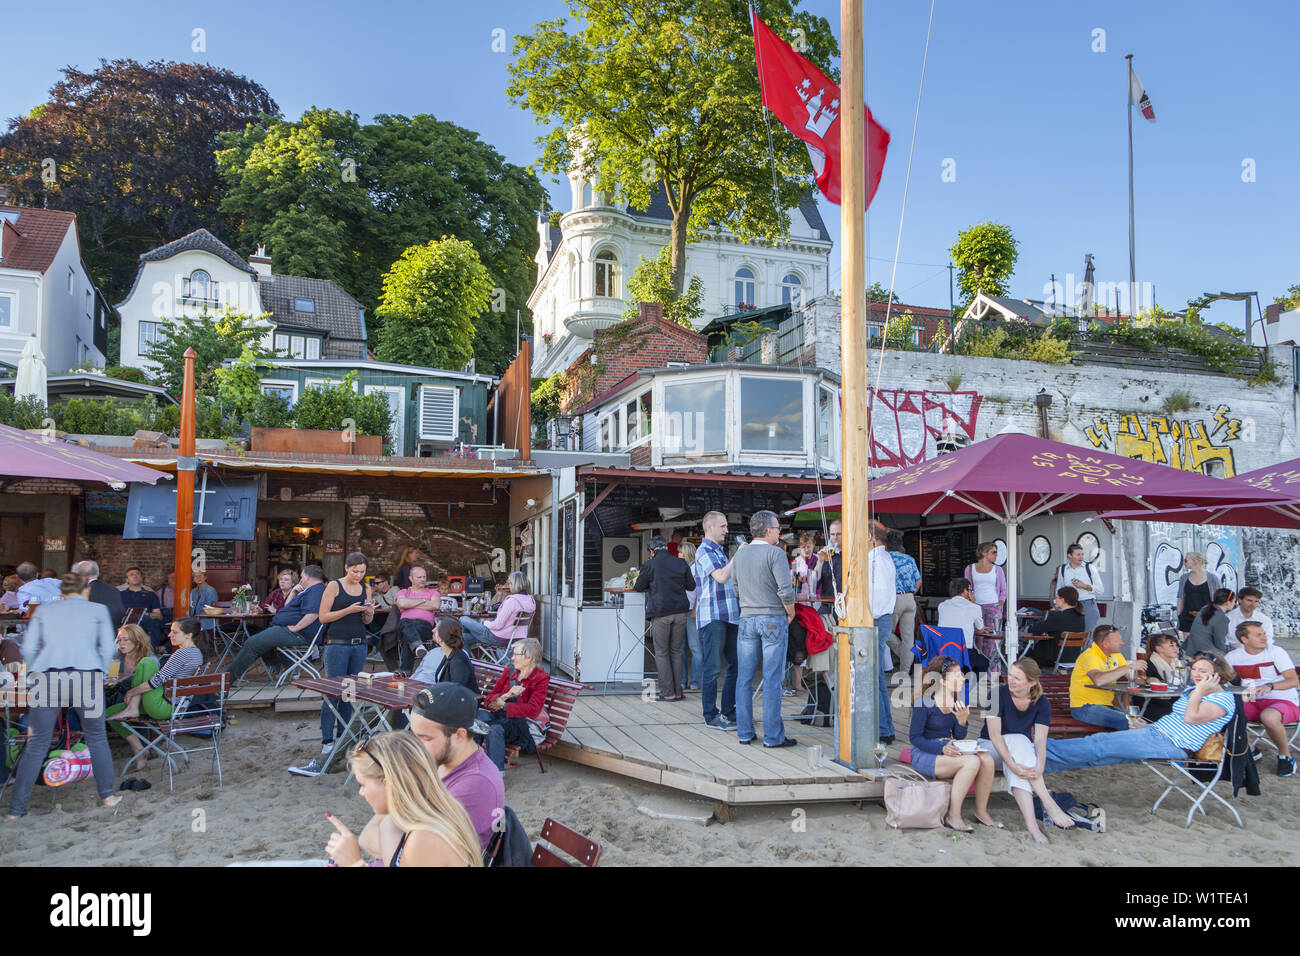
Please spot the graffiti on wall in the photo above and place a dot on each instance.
(907, 423)
(1223, 558)
(1189, 445)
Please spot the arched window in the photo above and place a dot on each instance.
(607, 274)
(745, 291)
(792, 290)
(587, 196)
(199, 285)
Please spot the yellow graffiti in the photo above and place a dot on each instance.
(1185, 445)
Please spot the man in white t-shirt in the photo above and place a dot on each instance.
(1272, 701)
(1084, 578)
(1247, 609)
(961, 611)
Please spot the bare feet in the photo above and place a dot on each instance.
(1062, 820)
(112, 800)
(988, 821)
(1037, 834)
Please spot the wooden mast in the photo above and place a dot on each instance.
(853, 334)
(184, 557)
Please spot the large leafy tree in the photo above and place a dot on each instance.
(216, 339)
(665, 94)
(337, 199)
(986, 256)
(128, 147)
(430, 300)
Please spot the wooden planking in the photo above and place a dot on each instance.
(715, 762)
(861, 788)
(736, 754)
(597, 712)
(587, 738)
(668, 756)
(628, 748)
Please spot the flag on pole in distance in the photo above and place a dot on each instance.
(808, 105)
(1137, 96)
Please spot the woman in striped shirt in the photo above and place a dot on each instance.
(1197, 715)
(186, 660)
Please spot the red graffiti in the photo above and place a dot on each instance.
(906, 424)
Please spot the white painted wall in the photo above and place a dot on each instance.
(158, 295)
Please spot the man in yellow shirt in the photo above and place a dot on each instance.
(1101, 664)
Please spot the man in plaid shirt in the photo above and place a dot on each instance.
(717, 616)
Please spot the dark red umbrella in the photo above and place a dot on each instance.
(24, 455)
(1012, 477)
(1280, 479)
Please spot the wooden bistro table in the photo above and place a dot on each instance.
(1146, 694)
(232, 638)
(374, 700)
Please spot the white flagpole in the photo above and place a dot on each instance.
(1132, 269)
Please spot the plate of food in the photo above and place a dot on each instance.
(967, 746)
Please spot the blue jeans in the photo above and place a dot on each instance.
(1101, 715)
(718, 640)
(32, 761)
(340, 660)
(693, 672)
(884, 626)
(1097, 750)
(263, 644)
(503, 731)
(476, 632)
(1091, 615)
(761, 638)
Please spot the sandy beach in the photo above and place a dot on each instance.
(262, 813)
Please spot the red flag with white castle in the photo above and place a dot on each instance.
(808, 105)
(1137, 96)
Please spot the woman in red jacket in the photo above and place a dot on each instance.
(514, 709)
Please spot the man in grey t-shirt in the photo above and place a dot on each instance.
(764, 586)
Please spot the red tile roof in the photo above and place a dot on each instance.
(41, 232)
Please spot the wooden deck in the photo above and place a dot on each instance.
(668, 744)
(283, 699)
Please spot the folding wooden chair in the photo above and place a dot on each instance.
(133, 615)
(556, 836)
(1195, 779)
(189, 716)
(1077, 640)
(298, 657)
(498, 652)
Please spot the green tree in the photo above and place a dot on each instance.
(339, 199)
(1291, 300)
(239, 384)
(652, 281)
(898, 331)
(330, 406)
(431, 298)
(653, 95)
(877, 293)
(547, 399)
(215, 340)
(128, 147)
(985, 255)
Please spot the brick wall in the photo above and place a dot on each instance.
(116, 554)
(649, 342)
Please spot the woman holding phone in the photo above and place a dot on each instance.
(939, 717)
(346, 608)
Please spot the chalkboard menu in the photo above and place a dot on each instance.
(217, 553)
(945, 552)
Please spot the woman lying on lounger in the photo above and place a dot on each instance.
(1198, 714)
(416, 822)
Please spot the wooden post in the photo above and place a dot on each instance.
(856, 512)
(185, 467)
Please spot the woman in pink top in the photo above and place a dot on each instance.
(502, 628)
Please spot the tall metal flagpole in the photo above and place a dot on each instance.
(1132, 269)
(857, 661)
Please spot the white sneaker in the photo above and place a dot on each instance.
(420, 651)
(313, 769)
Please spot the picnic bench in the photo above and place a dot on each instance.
(1056, 688)
(561, 695)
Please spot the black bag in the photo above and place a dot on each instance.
(796, 648)
(819, 704)
(509, 844)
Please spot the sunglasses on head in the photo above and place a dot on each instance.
(361, 748)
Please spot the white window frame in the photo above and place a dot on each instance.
(455, 418)
(610, 266)
(795, 292)
(140, 345)
(833, 459)
(743, 453)
(11, 322)
(318, 382)
(289, 383)
(751, 282)
(682, 458)
(313, 341)
(397, 428)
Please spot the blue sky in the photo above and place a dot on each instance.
(1015, 96)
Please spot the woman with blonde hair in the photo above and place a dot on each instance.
(1015, 734)
(417, 822)
(411, 557)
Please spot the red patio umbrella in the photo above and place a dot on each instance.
(1013, 477)
(24, 455)
(1282, 479)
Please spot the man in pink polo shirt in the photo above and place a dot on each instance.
(419, 605)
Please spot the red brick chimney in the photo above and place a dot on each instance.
(651, 311)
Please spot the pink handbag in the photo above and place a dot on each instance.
(913, 802)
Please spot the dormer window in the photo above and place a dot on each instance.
(200, 286)
(607, 274)
(304, 305)
(297, 346)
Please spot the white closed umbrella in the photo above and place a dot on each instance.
(31, 372)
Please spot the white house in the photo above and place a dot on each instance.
(46, 289)
(583, 263)
(305, 318)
